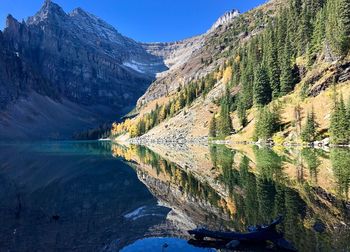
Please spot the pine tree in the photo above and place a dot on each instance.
(287, 83)
(339, 127)
(182, 100)
(338, 26)
(242, 113)
(281, 33)
(212, 127)
(266, 124)
(262, 89)
(304, 31)
(309, 130)
(344, 7)
(225, 123)
(318, 36)
(273, 65)
(162, 113)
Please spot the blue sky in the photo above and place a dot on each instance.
(142, 20)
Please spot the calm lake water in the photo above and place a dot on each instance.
(98, 196)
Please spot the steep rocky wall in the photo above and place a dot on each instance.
(75, 58)
(85, 59)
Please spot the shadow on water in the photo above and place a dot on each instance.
(70, 196)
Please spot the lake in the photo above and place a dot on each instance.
(98, 196)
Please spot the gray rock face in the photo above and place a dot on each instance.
(187, 59)
(18, 77)
(83, 57)
(227, 18)
(76, 57)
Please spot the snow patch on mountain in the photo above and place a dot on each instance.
(135, 66)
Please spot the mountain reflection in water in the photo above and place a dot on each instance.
(228, 189)
(140, 196)
(83, 185)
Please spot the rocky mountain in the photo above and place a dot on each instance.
(185, 59)
(283, 56)
(71, 58)
(225, 19)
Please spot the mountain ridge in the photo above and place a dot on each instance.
(264, 64)
(75, 57)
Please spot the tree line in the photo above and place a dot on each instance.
(184, 97)
(268, 123)
(265, 67)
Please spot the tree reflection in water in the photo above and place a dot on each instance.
(256, 186)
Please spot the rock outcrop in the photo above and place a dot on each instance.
(187, 59)
(225, 19)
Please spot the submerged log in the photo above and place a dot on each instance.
(256, 235)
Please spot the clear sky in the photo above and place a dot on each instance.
(142, 20)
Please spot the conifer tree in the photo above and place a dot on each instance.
(304, 31)
(287, 82)
(339, 127)
(266, 124)
(318, 36)
(225, 123)
(212, 127)
(262, 89)
(272, 62)
(344, 7)
(338, 26)
(182, 100)
(242, 113)
(309, 130)
(281, 33)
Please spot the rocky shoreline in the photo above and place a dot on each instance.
(182, 140)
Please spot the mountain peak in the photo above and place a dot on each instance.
(49, 5)
(49, 10)
(227, 18)
(92, 23)
(11, 22)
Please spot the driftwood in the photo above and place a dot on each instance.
(256, 234)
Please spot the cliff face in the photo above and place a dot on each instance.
(75, 57)
(187, 59)
(83, 57)
(17, 77)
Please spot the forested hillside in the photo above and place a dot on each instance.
(271, 68)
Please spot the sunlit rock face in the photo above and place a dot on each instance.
(185, 59)
(225, 19)
(76, 57)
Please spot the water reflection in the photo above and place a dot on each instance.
(103, 203)
(88, 192)
(230, 189)
(341, 167)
